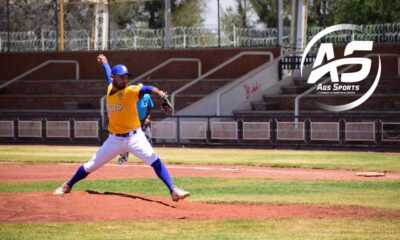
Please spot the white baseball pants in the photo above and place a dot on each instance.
(136, 144)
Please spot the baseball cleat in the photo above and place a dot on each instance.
(178, 194)
(123, 158)
(63, 189)
(121, 161)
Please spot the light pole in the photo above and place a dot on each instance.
(219, 27)
(279, 11)
(167, 23)
(61, 25)
(8, 26)
(57, 45)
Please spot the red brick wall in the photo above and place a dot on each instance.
(389, 64)
(138, 62)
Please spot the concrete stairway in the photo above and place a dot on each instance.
(386, 98)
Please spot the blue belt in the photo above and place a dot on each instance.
(125, 134)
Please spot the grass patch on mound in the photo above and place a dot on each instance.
(292, 228)
(377, 194)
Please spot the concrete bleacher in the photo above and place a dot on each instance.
(63, 95)
(190, 95)
(53, 91)
(53, 97)
(384, 101)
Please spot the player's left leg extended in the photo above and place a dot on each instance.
(141, 148)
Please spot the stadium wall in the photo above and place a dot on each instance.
(138, 62)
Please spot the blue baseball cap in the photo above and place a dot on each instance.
(120, 70)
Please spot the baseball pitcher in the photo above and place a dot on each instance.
(126, 134)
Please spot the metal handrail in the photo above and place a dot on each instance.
(216, 69)
(297, 99)
(40, 66)
(163, 64)
(219, 95)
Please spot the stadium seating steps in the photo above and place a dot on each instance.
(66, 96)
(384, 101)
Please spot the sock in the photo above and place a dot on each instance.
(163, 174)
(79, 175)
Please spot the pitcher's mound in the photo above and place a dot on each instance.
(92, 206)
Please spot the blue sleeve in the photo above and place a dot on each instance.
(107, 70)
(145, 89)
(151, 104)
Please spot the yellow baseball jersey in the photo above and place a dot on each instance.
(123, 116)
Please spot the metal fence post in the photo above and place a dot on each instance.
(42, 38)
(108, 25)
(178, 137)
(342, 130)
(219, 27)
(56, 27)
(234, 36)
(307, 131)
(8, 26)
(44, 129)
(15, 129)
(184, 39)
(167, 14)
(273, 131)
(135, 42)
(208, 133)
(378, 132)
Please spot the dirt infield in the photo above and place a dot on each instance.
(94, 206)
(11, 172)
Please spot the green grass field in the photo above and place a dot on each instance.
(383, 195)
(273, 158)
(287, 229)
(380, 194)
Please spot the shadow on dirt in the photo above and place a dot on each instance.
(129, 196)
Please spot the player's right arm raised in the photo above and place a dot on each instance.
(103, 60)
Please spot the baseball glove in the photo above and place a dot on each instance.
(166, 106)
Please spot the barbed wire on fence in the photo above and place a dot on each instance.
(136, 39)
(186, 37)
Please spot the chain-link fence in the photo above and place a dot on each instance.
(36, 25)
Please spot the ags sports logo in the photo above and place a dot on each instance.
(346, 84)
